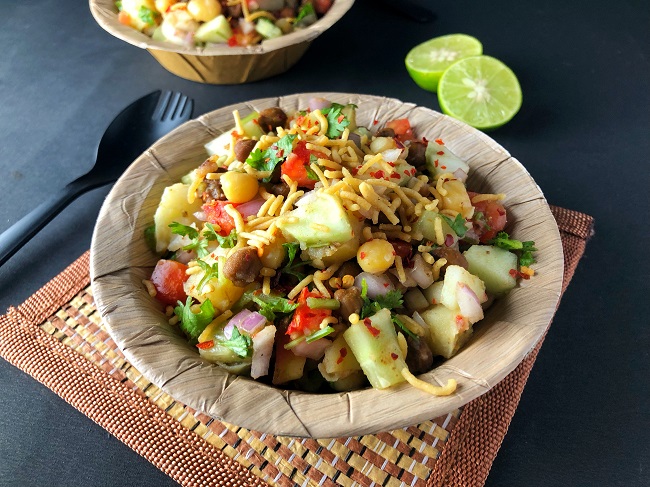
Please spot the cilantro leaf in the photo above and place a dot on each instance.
(336, 121)
(457, 224)
(269, 305)
(211, 272)
(400, 324)
(197, 244)
(390, 300)
(527, 248)
(227, 242)
(239, 343)
(291, 268)
(191, 323)
(305, 10)
(271, 157)
(184, 230)
(146, 15)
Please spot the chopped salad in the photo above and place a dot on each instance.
(314, 253)
(232, 22)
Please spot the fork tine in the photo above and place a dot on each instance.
(171, 106)
(180, 107)
(163, 100)
(189, 108)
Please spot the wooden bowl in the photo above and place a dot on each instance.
(220, 63)
(120, 260)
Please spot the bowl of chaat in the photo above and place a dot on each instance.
(326, 264)
(220, 41)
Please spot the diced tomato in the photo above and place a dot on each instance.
(168, 277)
(215, 213)
(124, 18)
(305, 319)
(402, 128)
(322, 6)
(296, 165)
(495, 218)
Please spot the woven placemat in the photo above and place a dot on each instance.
(58, 338)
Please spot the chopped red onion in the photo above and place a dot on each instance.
(200, 215)
(318, 103)
(469, 304)
(391, 155)
(245, 320)
(262, 351)
(250, 207)
(314, 350)
(421, 272)
(378, 284)
(460, 175)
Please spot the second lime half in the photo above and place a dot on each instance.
(427, 61)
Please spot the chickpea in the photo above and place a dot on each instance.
(204, 10)
(376, 256)
(239, 187)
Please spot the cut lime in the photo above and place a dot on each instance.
(427, 61)
(480, 91)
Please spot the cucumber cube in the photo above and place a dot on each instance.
(216, 30)
(448, 330)
(492, 265)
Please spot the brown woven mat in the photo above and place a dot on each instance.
(57, 337)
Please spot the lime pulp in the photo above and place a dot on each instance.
(480, 91)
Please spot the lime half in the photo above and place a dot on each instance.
(427, 61)
(481, 91)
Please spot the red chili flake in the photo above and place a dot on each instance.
(435, 163)
(375, 122)
(205, 345)
(354, 171)
(413, 171)
(341, 118)
(300, 120)
(395, 175)
(391, 164)
(373, 331)
(362, 255)
(515, 273)
(444, 167)
(460, 321)
(232, 41)
(434, 300)
(441, 153)
(379, 174)
(394, 356)
(449, 240)
(342, 353)
(406, 171)
(439, 142)
(386, 284)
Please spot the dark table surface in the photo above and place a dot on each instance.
(583, 133)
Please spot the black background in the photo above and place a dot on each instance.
(583, 133)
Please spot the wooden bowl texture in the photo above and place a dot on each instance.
(120, 260)
(220, 63)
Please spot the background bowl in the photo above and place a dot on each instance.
(222, 64)
(120, 260)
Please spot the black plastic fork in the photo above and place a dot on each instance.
(134, 129)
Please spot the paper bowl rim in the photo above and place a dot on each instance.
(106, 17)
